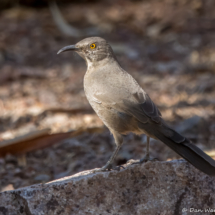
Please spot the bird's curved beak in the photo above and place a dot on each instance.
(68, 48)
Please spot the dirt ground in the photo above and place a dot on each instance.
(167, 45)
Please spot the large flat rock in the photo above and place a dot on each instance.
(164, 188)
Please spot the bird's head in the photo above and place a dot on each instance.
(93, 49)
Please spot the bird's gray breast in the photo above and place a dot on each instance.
(98, 84)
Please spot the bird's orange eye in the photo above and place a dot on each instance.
(93, 45)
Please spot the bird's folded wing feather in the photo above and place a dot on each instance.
(128, 97)
(134, 102)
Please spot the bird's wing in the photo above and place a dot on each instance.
(128, 97)
(143, 106)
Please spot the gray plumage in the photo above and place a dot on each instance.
(125, 107)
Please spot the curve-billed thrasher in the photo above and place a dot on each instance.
(125, 107)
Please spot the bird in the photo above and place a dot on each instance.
(125, 107)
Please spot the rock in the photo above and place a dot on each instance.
(173, 187)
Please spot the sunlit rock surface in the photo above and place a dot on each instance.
(173, 187)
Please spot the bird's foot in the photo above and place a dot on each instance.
(108, 167)
(145, 159)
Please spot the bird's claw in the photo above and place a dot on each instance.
(108, 167)
(144, 160)
(147, 158)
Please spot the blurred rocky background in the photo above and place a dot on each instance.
(47, 128)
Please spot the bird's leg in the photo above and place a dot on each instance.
(147, 156)
(108, 166)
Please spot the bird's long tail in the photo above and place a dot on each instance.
(184, 148)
